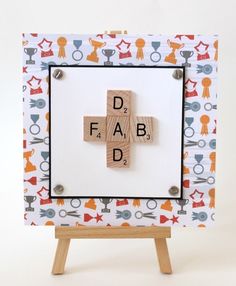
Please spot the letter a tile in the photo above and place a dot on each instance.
(118, 154)
(118, 129)
(118, 102)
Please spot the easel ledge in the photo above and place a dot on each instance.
(65, 233)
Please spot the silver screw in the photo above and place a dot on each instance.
(58, 189)
(57, 74)
(174, 190)
(177, 74)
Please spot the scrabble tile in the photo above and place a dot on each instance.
(95, 128)
(118, 154)
(118, 129)
(119, 102)
(141, 129)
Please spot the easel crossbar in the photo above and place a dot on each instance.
(66, 232)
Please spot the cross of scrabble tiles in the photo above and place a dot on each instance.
(119, 128)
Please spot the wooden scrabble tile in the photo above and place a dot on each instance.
(118, 154)
(141, 129)
(118, 129)
(94, 128)
(119, 102)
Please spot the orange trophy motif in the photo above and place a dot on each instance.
(174, 46)
(29, 167)
(93, 57)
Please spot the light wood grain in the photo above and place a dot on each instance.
(95, 128)
(141, 129)
(61, 255)
(65, 232)
(118, 129)
(120, 99)
(163, 255)
(118, 151)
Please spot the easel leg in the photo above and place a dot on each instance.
(60, 257)
(65, 233)
(163, 255)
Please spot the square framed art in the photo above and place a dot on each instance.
(119, 129)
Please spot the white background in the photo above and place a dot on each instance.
(199, 256)
(81, 166)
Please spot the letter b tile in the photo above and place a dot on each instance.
(118, 102)
(118, 154)
(141, 129)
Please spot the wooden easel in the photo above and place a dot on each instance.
(65, 234)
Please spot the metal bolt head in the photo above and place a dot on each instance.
(174, 190)
(177, 74)
(58, 189)
(57, 74)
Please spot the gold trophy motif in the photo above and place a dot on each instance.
(174, 46)
(29, 167)
(93, 57)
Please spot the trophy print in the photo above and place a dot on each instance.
(93, 57)
(198, 54)
(182, 203)
(29, 200)
(105, 201)
(175, 47)
(29, 167)
(108, 53)
(186, 55)
(30, 52)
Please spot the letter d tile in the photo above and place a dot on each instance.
(118, 102)
(118, 154)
